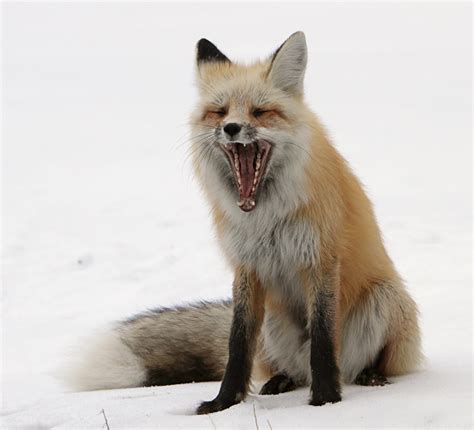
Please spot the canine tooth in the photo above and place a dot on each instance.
(252, 203)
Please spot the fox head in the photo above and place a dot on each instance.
(251, 129)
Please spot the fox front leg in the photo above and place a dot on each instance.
(248, 299)
(322, 291)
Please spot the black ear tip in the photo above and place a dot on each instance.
(207, 51)
(203, 43)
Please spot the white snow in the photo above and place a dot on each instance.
(101, 216)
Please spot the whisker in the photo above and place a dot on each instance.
(197, 141)
(199, 146)
(198, 150)
(187, 139)
(204, 153)
(265, 136)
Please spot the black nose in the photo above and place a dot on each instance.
(232, 128)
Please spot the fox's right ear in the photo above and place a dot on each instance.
(288, 64)
(207, 52)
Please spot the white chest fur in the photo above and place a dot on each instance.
(275, 249)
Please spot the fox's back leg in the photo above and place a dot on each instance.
(381, 335)
(279, 383)
(402, 352)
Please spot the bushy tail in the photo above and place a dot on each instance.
(159, 347)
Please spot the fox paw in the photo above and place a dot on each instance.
(321, 398)
(212, 406)
(370, 377)
(279, 383)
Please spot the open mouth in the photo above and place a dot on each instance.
(248, 162)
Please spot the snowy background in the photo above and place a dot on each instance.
(102, 218)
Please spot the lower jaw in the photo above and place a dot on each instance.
(247, 204)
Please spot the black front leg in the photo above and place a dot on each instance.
(248, 316)
(325, 385)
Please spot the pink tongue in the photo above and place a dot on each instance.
(247, 172)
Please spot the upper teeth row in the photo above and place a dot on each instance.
(257, 169)
(237, 167)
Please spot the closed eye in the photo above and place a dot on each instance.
(259, 112)
(219, 112)
(267, 113)
(214, 113)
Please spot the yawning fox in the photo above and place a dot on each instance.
(316, 299)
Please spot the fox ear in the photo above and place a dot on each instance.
(207, 52)
(288, 64)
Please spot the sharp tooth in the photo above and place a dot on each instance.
(253, 189)
(252, 203)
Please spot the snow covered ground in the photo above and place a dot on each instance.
(101, 216)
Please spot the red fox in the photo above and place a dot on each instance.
(316, 299)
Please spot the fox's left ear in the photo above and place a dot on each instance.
(288, 64)
(207, 52)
